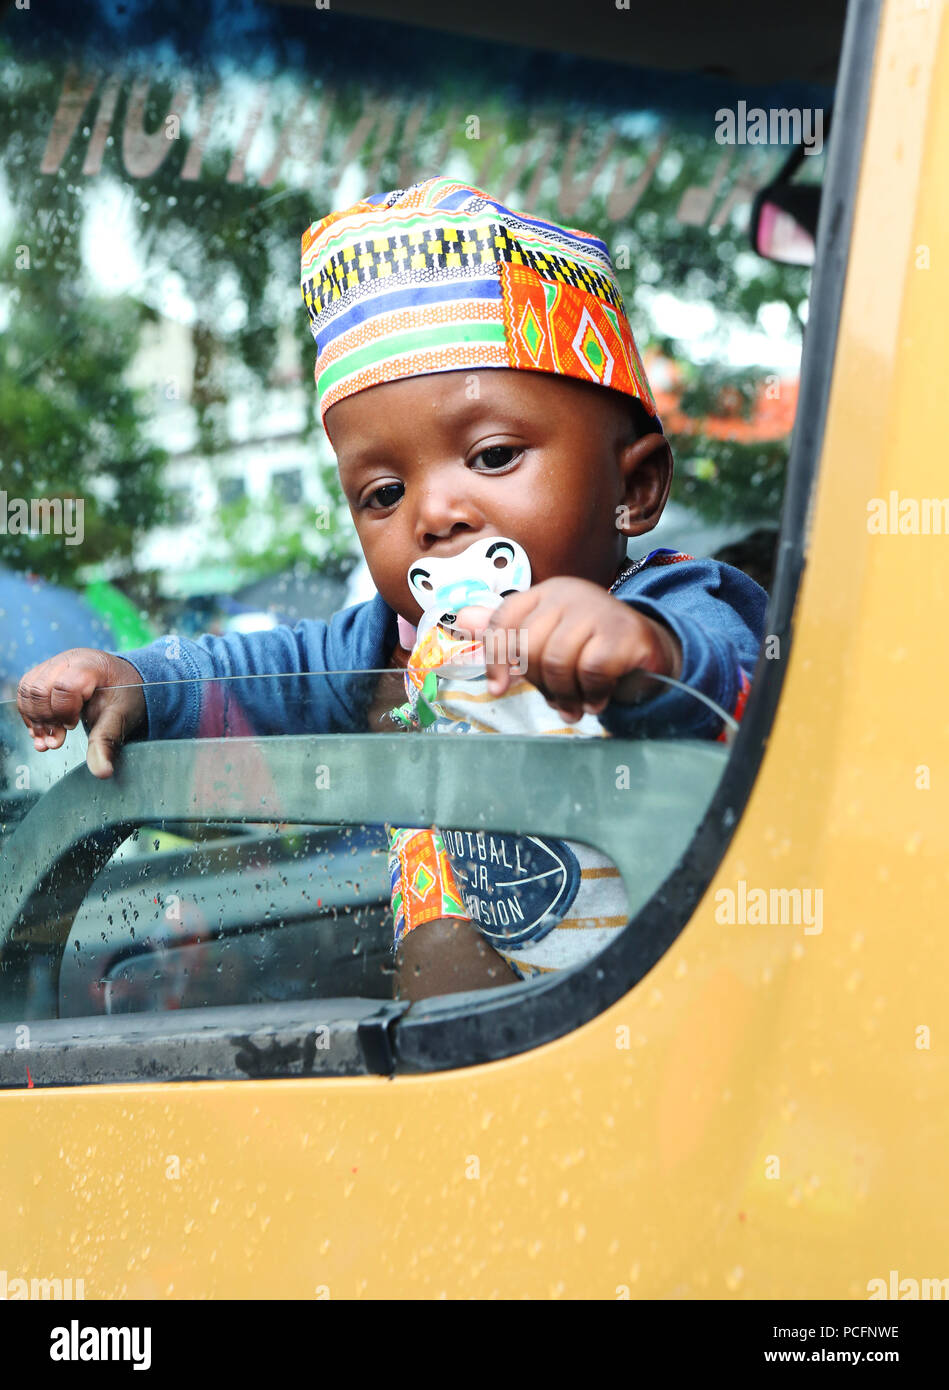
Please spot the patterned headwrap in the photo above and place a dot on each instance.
(441, 276)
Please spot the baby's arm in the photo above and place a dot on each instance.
(271, 682)
(289, 685)
(716, 614)
(101, 689)
(173, 688)
(587, 650)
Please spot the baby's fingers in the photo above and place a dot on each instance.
(598, 669)
(558, 667)
(504, 635)
(53, 693)
(46, 736)
(106, 735)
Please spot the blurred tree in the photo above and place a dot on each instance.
(70, 426)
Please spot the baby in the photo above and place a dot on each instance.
(477, 381)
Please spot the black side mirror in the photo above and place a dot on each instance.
(784, 217)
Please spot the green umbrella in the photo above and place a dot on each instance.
(128, 625)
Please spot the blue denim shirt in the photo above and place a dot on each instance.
(716, 612)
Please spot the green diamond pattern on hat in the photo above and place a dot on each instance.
(531, 332)
(591, 348)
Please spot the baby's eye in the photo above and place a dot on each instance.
(385, 496)
(496, 457)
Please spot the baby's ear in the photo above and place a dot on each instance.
(646, 468)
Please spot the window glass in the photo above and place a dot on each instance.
(163, 470)
(236, 873)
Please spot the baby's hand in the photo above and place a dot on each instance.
(75, 685)
(578, 644)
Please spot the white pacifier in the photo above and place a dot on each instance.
(483, 575)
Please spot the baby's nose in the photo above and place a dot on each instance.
(445, 509)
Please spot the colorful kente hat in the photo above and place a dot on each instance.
(441, 277)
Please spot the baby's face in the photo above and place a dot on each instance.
(542, 459)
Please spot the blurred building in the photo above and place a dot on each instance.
(264, 461)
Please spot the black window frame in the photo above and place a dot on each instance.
(448, 1032)
(461, 1030)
